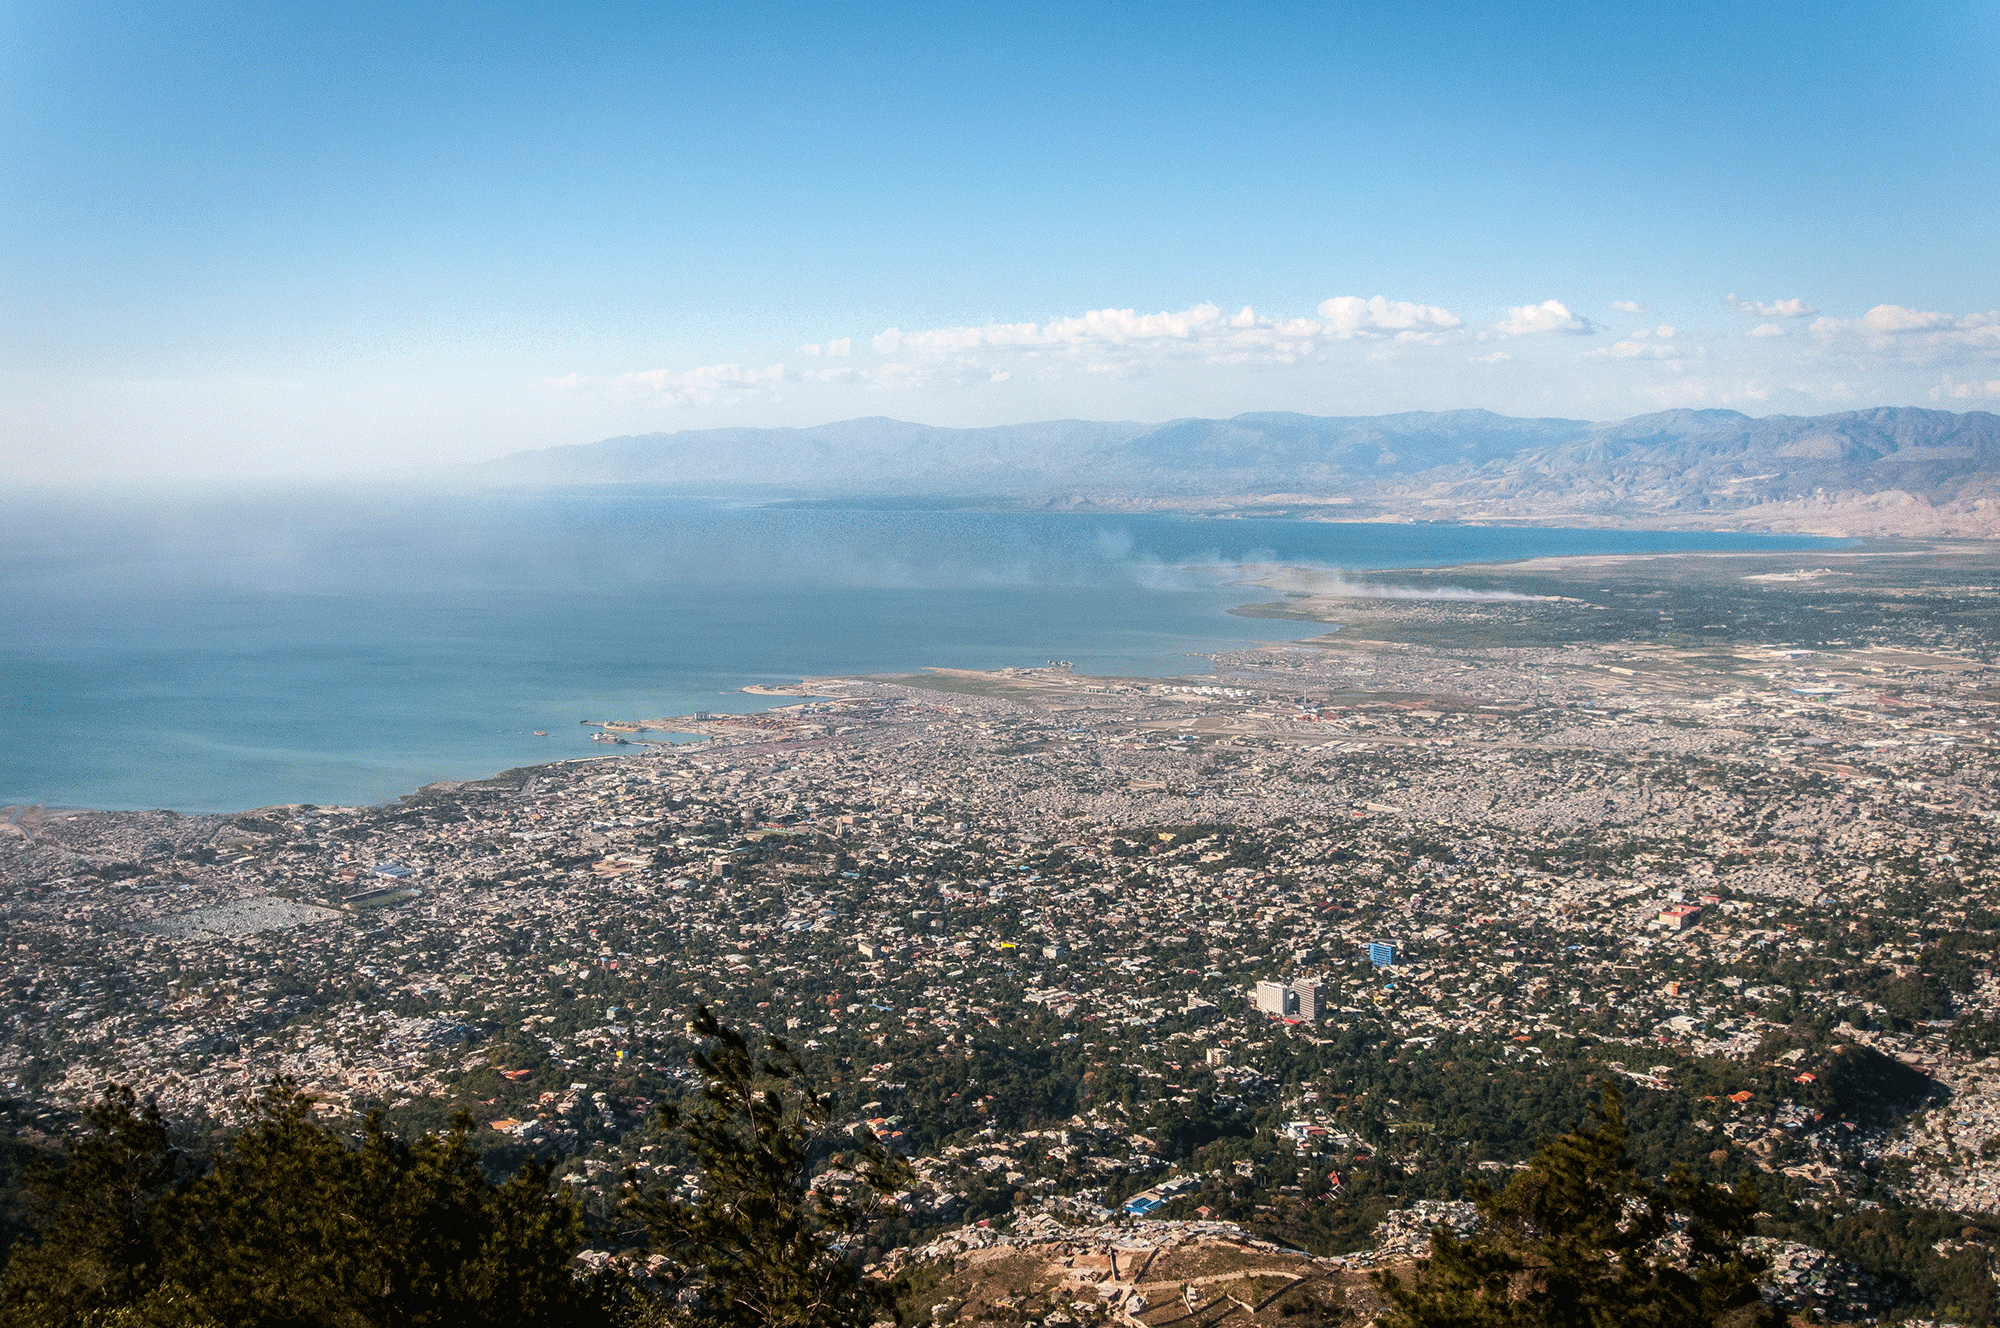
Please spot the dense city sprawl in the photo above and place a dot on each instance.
(1719, 830)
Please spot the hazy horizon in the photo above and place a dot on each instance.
(453, 473)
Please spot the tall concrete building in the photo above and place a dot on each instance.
(1305, 999)
(1275, 998)
(1381, 954)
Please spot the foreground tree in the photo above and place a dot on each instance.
(1580, 1240)
(295, 1228)
(763, 1245)
(98, 1249)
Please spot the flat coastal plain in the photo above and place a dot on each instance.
(1720, 826)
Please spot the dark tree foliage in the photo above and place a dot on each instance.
(1976, 1036)
(1932, 1258)
(295, 1228)
(18, 1160)
(1912, 997)
(1580, 1240)
(98, 1248)
(1955, 957)
(763, 1245)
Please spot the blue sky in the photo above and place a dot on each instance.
(285, 238)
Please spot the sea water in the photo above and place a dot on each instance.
(230, 651)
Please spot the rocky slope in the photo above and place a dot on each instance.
(1889, 471)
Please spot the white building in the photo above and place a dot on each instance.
(1275, 998)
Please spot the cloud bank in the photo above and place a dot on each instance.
(1104, 342)
(1362, 354)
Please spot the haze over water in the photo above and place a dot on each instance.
(223, 653)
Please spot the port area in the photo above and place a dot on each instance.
(639, 733)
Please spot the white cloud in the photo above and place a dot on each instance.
(1351, 315)
(1202, 328)
(1099, 327)
(1202, 325)
(1913, 332)
(713, 384)
(1895, 318)
(1106, 344)
(1125, 342)
(1207, 359)
(1794, 308)
(1635, 350)
(1548, 316)
(1630, 307)
(1950, 390)
(1668, 393)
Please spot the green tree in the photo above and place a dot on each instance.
(98, 1249)
(1580, 1240)
(765, 1244)
(295, 1228)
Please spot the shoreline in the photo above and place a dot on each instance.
(1280, 578)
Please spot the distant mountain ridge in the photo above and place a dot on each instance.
(1891, 471)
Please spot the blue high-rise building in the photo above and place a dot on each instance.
(1381, 954)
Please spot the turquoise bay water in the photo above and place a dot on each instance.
(224, 652)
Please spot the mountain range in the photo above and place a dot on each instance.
(1887, 471)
